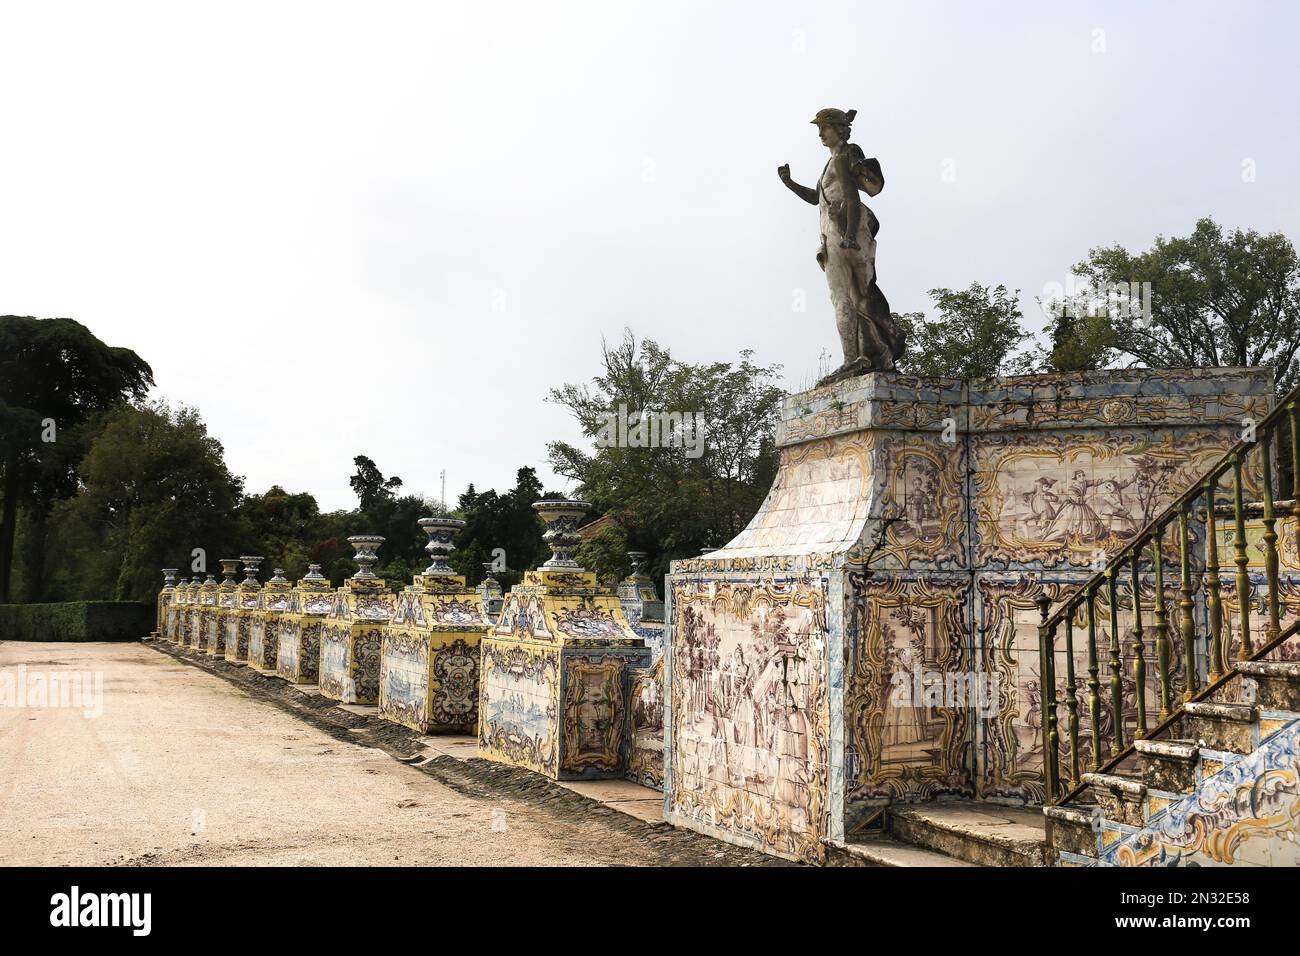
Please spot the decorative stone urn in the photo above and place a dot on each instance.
(366, 545)
(441, 532)
(229, 568)
(636, 559)
(251, 563)
(313, 573)
(562, 518)
(169, 577)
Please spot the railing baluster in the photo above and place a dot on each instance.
(1270, 538)
(1071, 701)
(1213, 599)
(1116, 667)
(1139, 652)
(1293, 413)
(1187, 624)
(1094, 684)
(1047, 669)
(1161, 624)
(1241, 560)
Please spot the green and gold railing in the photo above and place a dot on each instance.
(1179, 656)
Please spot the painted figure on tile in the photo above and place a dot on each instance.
(1077, 520)
(905, 723)
(1116, 509)
(1043, 503)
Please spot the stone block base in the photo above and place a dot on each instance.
(557, 710)
(349, 662)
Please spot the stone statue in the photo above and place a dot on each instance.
(870, 338)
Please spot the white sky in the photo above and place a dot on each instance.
(286, 208)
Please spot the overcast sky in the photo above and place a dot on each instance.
(388, 229)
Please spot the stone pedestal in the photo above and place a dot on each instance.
(178, 614)
(248, 601)
(428, 670)
(351, 640)
(298, 647)
(871, 635)
(165, 598)
(227, 611)
(275, 601)
(203, 623)
(641, 605)
(489, 592)
(554, 676)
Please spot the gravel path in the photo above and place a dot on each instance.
(194, 761)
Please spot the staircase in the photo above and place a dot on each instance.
(1183, 750)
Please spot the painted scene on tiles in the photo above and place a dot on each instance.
(749, 711)
(1059, 501)
(911, 689)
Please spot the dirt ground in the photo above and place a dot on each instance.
(185, 767)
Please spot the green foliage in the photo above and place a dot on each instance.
(506, 521)
(370, 485)
(665, 500)
(1080, 343)
(973, 336)
(52, 372)
(155, 486)
(77, 621)
(1217, 299)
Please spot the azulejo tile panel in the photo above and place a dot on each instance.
(936, 512)
(1049, 501)
(429, 666)
(520, 705)
(646, 726)
(553, 690)
(909, 730)
(1245, 813)
(749, 693)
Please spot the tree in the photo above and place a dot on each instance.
(55, 378)
(501, 521)
(1215, 299)
(973, 336)
(1080, 343)
(155, 487)
(669, 496)
(370, 485)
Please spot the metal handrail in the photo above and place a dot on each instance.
(1176, 616)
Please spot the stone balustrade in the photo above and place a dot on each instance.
(416, 655)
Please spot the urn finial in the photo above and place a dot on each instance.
(251, 563)
(562, 518)
(441, 532)
(366, 545)
(229, 568)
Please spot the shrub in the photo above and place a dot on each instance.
(77, 621)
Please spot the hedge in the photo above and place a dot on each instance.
(77, 621)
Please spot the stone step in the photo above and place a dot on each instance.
(985, 834)
(1122, 798)
(1277, 683)
(885, 851)
(1226, 727)
(1168, 765)
(1073, 828)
